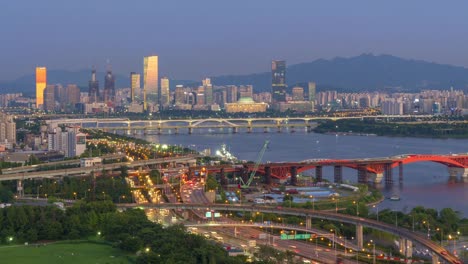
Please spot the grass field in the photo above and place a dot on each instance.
(62, 252)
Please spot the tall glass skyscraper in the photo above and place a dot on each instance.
(150, 81)
(165, 93)
(278, 81)
(93, 92)
(109, 88)
(135, 86)
(41, 83)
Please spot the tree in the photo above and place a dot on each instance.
(211, 183)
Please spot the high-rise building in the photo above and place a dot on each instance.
(108, 94)
(150, 81)
(7, 130)
(245, 91)
(208, 90)
(93, 92)
(165, 93)
(49, 98)
(278, 81)
(312, 91)
(135, 86)
(72, 95)
(231, 94)
(179, 95)
(41, 83)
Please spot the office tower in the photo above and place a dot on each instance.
(7, 129)
(165, 93)
(278, 81)
(208, 90)
(150, 81)
(93, 92)
(49, 98)
(108, 94)
(312, 91)
(231, 94)
(41, 82)
(179, 95)
(135, 86)
(297, 93)
(72, 95)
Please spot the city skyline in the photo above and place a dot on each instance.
(198, 45)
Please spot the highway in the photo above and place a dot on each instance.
(86, 170)
(438, 250)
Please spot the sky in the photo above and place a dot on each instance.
(199, 38)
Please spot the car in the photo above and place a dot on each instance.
(444, 253)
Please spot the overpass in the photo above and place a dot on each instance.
(235, 124)
(407, 236)
(368, 169)
(86, 170)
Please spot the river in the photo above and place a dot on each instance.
(424, 183)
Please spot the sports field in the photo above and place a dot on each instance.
(62, 252)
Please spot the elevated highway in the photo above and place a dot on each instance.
(437, 250)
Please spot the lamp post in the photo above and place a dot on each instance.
(336, 204)
(376, 207)
(373, 252)
(441, 235)
(428, 229)
(357, 208)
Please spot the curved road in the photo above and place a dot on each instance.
(435, 248)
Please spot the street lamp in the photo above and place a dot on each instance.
(377, 207)
(357, 209)
(336, 204)
(441, 235)
(428, 229)
(373, 251)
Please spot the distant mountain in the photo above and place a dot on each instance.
(366, 72)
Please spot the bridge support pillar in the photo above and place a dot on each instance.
(159, 131)
(338, 174)
(400, 171)
(190, 130)
(176, 130)
(279, 129)
(362, 174)
(406, 247)
(234, 130)
(293, 175)
(454, 172)
(388, 174)
(359, 237)
(435, 259)
(265, 130)
(249, 129)
(222, 175)
(292, 129)
(308, 222)
(19, 188)
(268, 175)
(308, 128)
(375, 177)
(318, 173)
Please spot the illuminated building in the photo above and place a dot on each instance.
(278, 81)
(245, 105)
(150, 81)
(298, 93)
(208, 90)
(312, 91)
(231, 94)
(135, 86)
(7, 130)
(41, 82)
(179, 95)
(165, 93)
(93, 92)
(108, 94)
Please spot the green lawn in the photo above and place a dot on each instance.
(62, 252)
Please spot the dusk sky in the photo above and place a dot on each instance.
(206, 38)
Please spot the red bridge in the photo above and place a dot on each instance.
(368, 169)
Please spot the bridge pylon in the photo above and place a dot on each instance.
(318, 173)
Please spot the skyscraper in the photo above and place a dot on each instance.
(165, 93)
(278, 81)
(49, 98)
(135, 86)
(150, 81)
(41, 82)
(93, 92)
(312, 91)
(208, 90)
(108, 94)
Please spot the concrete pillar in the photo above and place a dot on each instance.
(318, 173)
(265, 130)
(176, 130)
(359, 237)
(435, 259)
(292, 129)
(362, 174)
(308, 128)
(375, 177)
(465, 173)
(190, 130)
(234, 130)
(406, 247)
(159, 131)
(293, 175)
(338, 174)
(279, 129)
(249, 129)
(388, 174)
(308, 222)
(267, 175)
(19, 188)
(454, 172)
(400, 171)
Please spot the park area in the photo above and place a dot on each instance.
(63, 252)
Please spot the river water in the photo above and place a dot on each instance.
(425, 183)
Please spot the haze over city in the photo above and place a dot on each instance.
(195, 39)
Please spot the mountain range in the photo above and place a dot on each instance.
(366, 72)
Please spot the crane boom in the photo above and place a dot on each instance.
(257, 164)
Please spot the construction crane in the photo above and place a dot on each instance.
(257, 164)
